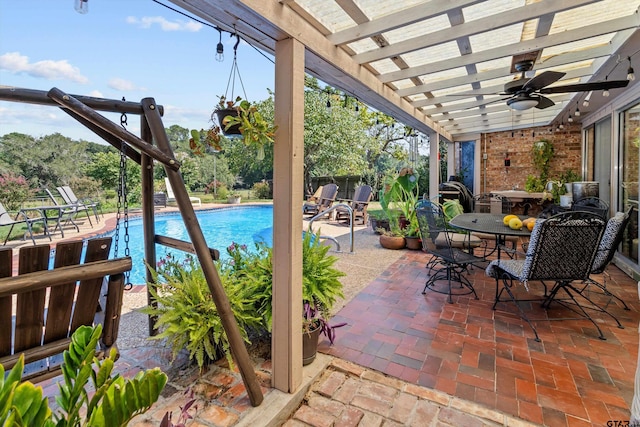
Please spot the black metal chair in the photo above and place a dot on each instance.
(561, 249)
(611, 239)
(592, 204)
(452, 252)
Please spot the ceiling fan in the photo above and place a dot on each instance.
(525, 93)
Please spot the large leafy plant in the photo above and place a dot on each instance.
(187, 315)
(401, 193)
(115, 402)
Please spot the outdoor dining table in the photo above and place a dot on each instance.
(488, 223)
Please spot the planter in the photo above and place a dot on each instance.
(233, 200)
(310, 345)
(413, 243)
(392, 242)
(379, 223)
(221, 114)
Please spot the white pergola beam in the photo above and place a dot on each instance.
(589, 31)
(493, 22)
(397, 20)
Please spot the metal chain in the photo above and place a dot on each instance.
(123, 203)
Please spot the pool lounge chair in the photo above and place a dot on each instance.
(21, 218)
(361, 198)
(172, 198)
(81, 205)
(327, 197)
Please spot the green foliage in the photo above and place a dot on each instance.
(541, 155)
(569, 176)
(401, 192)
(262, 190)
(114, 403)
(320, 279)
(257, 130)
(534, 184)
(13, 191)
(452, 208)
(21, 404)
(187, 315)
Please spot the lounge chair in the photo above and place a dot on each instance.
(327, 197)
(361, 198)
(81, 205)
(172, 198)
(21, 218)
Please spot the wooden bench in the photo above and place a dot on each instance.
(41, 308)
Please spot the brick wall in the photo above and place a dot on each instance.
(567, 155)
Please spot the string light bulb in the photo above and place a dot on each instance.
(585, 103)
(81, 6)
(630, 74)
(577, 113)
(570, 119)
(220, 49)
(605, 92)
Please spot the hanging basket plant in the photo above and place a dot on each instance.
(226, 110)
(239, 117)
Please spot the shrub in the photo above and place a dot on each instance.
(262, 190)
(14, 190)
(187, 315)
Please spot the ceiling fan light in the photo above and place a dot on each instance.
(522, 103)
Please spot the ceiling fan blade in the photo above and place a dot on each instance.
(544, 102)
(477, 94)
(487, 103)
(586, 87)
(543, 79)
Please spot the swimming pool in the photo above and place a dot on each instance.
(243, 225)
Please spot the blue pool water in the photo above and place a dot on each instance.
(221, 227)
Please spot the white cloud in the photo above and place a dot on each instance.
(148, 21)
(96, 94)
(16, 63)
(122, 84)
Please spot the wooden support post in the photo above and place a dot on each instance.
(288, 154)
(238, 349)
(148, 216)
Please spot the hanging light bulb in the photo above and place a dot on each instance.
(81, 6)
(561, 126)
(630, 74)
(605, 92)
(585, 103)
(570, 119)
(220, 49)
(577, 113)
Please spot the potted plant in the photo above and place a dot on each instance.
(234, 198)
(256, 131)
(401, 192)
(394, 237)
(321, 287)
(378, 220)
(224, 111)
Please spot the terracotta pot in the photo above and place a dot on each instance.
(392, 242)
(413, 243)
(310, 345)
(233, 130)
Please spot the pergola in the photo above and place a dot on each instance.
(407, 58)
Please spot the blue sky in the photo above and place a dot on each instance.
(130, 48)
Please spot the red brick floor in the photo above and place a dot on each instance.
(470, 351)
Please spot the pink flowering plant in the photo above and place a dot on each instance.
(14, 190)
